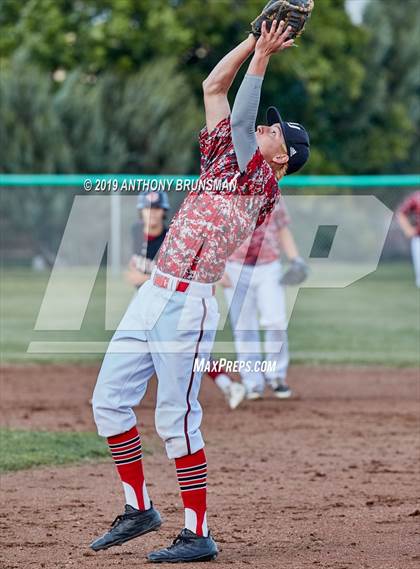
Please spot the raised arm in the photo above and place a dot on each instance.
(218, 83)
(245, 108)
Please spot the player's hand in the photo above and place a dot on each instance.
(133, 263)
(136, 278)
(273, 41)
(410, 233)
(225, 281)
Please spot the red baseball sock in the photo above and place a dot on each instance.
(221, 379)
(192, 477)
(127, 454)
(213, 374)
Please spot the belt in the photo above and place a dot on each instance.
(173, 283)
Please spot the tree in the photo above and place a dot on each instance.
(144, 123)
(158, 118)
(352, 86)
(94, 35)
(388, 117)
(31, 132)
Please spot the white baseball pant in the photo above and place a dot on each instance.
(415, 253)
(256, 300)
(163, 331)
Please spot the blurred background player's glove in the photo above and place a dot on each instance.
(294, 13)
(296, 274)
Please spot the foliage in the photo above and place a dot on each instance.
(381, 327)
(130, 125)
(102, 125)
(387, 120)
(143, 123)
(29, 126)
(34, 141)
(105, 35)
(356, 88)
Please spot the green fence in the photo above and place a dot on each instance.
(407, 180)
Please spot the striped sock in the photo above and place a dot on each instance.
(192, 477)
(127, 454)
(213, 374)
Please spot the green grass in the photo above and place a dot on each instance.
(26, 449)
(22, 292)
(373, 321)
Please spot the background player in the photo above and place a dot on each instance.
(408, 216)
(255, 295)
(178, 305)
(148, 235)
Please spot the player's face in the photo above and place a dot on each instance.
(152, 217)
(271, 143)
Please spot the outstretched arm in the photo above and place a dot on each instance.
(218, 83)
(245, 108)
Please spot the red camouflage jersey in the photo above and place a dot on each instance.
(411, 208)
(263, 245)
(214, 218)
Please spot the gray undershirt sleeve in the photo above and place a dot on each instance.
(244, 115)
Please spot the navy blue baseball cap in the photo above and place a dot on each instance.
(153, 198)
(296, 138)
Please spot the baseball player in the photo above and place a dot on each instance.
(253, 286)
(148, 235)
(408, 216)
(173, 318)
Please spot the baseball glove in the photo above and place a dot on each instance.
(296, 274)
(294, 13)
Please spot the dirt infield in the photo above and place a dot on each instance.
(326, 480)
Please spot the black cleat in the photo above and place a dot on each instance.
(283, 391)
(132, 523)
(280, 388)
(186, 547)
